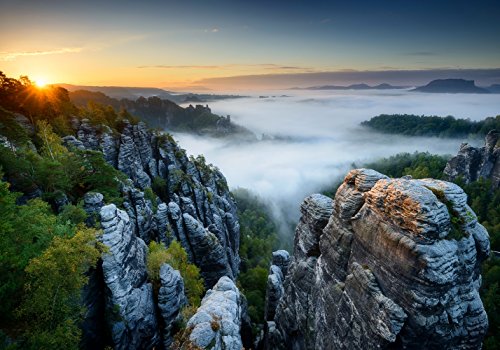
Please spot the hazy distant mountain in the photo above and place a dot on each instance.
(494, 88)
(132, 93)
(120, 92)
(452, 86)
(361, 86)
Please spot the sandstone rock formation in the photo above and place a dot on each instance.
(171, 299)
(194, 204)
(396, 266)
(472, 163)
(274, 290)
(129, 300)
(216, 324)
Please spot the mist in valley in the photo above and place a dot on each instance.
(308, 140)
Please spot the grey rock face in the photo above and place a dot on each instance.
(71, 141)
(274, 289)
(281, 258)
(140, 210)
(316, 210)
(216, 324)
(92, 204)
(472, 163)
(192, 188)
(171, 299)
(394, 270)
(129, 299)
(208, 253)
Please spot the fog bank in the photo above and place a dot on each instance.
(313, 138)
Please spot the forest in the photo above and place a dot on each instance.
(416, 125)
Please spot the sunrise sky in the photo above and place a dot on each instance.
(184, 44)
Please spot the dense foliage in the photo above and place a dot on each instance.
(415, 125)
(51, 310)
(259, 237)
(419, 165)
(176, 257)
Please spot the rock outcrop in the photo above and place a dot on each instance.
(274, 290)
(129, 300)
(472, 163)
(171, 299)
(216, 324)
(193, 203)
(393, 263)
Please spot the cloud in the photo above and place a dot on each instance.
(212, 30)
(325, 20)
(421, 53)
(10, 56)
(163, 66)
(265, 66)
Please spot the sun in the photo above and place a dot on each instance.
(40, 82)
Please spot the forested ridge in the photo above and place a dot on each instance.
(421, 125)
(164, 114)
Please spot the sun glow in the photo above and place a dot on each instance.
(40, 82)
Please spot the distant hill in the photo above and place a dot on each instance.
(166, 114)
(421, 125)
(120, 92)
(361, 86)
(494, 88)
(452, 86)
(133, 93)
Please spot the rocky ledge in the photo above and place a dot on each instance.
(396, 266)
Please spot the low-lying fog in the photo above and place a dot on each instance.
(319, 137)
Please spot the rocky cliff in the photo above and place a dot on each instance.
(472, 163)
(191, 203)
(390, 263)
(194, 204)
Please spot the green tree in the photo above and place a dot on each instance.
(52, 310)
(25, 231)
(51, 143)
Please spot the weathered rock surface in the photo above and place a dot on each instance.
(92, 204)
(274, 289)
(129, 300)
(216, 324)
(210, 234)
(472, 163)
(397, 266)
(171, 299)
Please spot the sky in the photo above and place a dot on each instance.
(183, 44)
